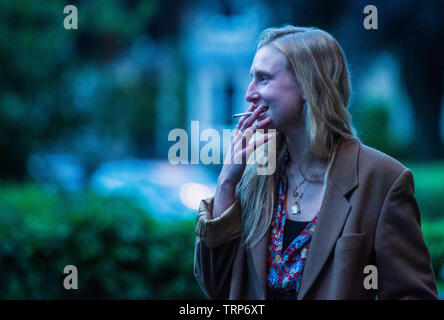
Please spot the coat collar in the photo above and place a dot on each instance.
(335, 207)
(344, 172)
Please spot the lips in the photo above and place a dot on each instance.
(264, 113)
(265, 108)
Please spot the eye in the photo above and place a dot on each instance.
(264, 79)
(260, 77)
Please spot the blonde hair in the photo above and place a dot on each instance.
(318, 64)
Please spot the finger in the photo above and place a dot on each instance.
(242, 139)
(243, 118)
(239, 151)
(257, 143)
(236, 136)
(240, 145)
(263, 114)
(248, 133)
(261, 123)
(244, 147)
(250, 120)
(236, 149)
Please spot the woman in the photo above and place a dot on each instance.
(332, 207)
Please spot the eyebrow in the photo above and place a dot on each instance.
(260, 73)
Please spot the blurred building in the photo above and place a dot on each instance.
(218, 41)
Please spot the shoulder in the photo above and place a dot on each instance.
(378, 166)
(373, 158)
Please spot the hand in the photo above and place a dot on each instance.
(240, 148)
(236, 159)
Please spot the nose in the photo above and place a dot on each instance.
(252, 95)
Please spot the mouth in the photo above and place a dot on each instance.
(264, 113)
(264, 108)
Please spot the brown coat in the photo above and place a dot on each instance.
(369, 216)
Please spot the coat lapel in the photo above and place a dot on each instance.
(334, 211)
(332, 216)
(257, 266)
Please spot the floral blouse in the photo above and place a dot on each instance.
(286, 267)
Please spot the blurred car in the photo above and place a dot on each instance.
(167, 191)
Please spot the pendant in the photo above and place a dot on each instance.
(295, 208)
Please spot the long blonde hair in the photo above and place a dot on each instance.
(318, 64)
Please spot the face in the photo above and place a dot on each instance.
(273, 86)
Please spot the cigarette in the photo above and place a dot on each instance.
(242, 114)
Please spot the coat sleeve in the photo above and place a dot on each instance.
(402, 259)
(217, 242)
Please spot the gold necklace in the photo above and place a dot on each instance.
(295, 209)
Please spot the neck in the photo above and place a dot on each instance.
(300, 156)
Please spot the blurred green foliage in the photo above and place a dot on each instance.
(429, 191)
(429, 188)
(372, 125)
(120, 252)
(434, 238)
(64, 89)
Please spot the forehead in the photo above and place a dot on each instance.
(269, 59)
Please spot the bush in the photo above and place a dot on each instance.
(372, 124)
(434, 238)
(429, 187)
(119, 250)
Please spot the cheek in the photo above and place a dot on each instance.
(292, 102)
(273, 95)
(285, 99)
(266, 92)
